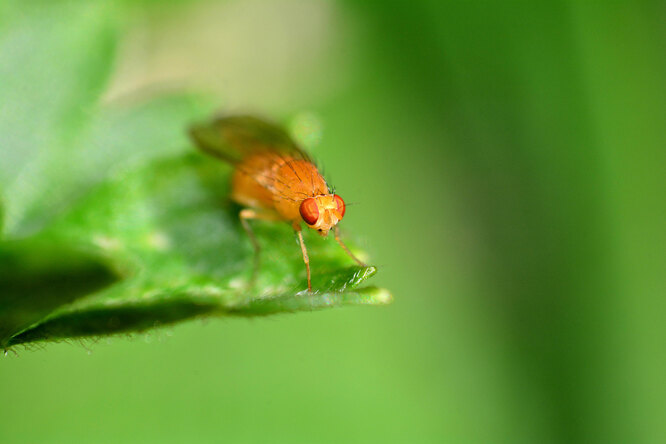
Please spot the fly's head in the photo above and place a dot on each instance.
(322, 212)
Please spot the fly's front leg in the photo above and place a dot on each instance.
(306, 259)
(248, 214)
(336, 230)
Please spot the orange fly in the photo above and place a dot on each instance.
(273, 179)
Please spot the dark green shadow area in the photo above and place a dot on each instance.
(37, 276)
(105, 321)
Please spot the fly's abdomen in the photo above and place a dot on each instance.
(252, 182)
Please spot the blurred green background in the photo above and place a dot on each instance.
(507, 164)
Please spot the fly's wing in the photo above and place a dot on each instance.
(233, 138)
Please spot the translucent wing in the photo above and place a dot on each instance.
(233, 138)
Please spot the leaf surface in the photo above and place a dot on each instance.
(170, 231)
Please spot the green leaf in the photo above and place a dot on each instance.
(171, 231)
(117, 137)
(55, 59)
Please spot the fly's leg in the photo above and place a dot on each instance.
(248, 214)
(306, 259)
(344, 247)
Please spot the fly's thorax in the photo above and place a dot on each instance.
(322, 212)
(295, 180)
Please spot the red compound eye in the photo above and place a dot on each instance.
(309, 211)
(341, 205)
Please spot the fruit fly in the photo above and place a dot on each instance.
(273, 179)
